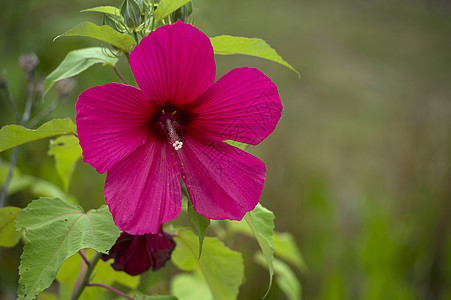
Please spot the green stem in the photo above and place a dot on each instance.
(153, 16)
(11, 101)
(25, 118)
(85, 280)
(28, 104)
(12, 165)
(135, 36)
(45, 112)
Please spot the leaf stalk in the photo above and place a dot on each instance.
(119, 74)
(111, 289)
(79, 289)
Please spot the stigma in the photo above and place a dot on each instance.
(172, 134)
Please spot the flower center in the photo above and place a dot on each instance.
(168, 123)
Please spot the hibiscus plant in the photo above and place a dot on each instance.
(174, 144)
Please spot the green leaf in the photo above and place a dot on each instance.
(154, 279)
(104, 33)
(239, 227)
(55, 230)
(15, 135)
(165, 7)
(286, 248)
(219, 266)
(200, 223)
(67, 151)
(190, 287)
(78, 61)
(261, 222)
(103, 273)
(111, 10)
(240, 145)
(9, 237)
(141, 296)
(287, 281)
(226, 44)
(285, 278)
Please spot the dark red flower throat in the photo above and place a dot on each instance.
(168, 122)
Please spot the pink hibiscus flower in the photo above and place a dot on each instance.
(172, 129)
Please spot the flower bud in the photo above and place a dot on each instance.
(110, 20)
(132, 13)
(39, 87)
(29, 62)
(182, 13)
(66, 86)
(141, 5)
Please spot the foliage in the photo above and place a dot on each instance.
(226, 45)
(140, 296)
(190, 286)
(165, 7)
(9, 237)
(103, 33)
(285, 247)
(67, 277)
(358, 166)
(67, 152)
(221, 268)
(105, 9)
(78, 61)
(54, 231)
(15, 135)
(261, 222)
(200, 223)
(285, 278)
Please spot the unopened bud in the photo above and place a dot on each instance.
(131, 11)
(141, 5)
(39, 88)
(29, 62)
(66, 86)
(110, 20)
(182, 13)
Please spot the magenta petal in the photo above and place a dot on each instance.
(223, 181)
(243, 105)
(111, 123)
(144, 190)
(174, 64)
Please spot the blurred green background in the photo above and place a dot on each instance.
(359, 168)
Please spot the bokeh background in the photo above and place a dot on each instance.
(359, 168)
